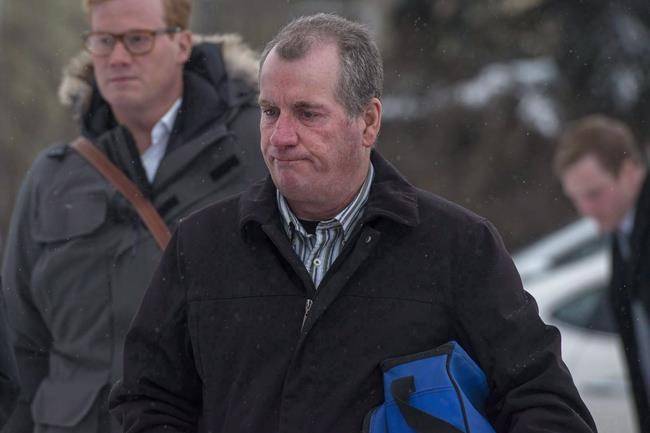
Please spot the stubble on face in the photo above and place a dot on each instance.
(303, 119)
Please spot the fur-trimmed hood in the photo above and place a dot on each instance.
(240, 61)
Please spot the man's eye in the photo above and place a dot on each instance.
(269, 112)
(593, 195)
(309, 115)
(106, 40)
(136, 38)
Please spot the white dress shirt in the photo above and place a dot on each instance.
(160, 133)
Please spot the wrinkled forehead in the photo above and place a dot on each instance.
(318, 69)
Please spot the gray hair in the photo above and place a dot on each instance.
(362, 74)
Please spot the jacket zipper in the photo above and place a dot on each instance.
(308, 305)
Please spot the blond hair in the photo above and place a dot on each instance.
(177, 12)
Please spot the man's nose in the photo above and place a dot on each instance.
(119, 55)
(284, 132)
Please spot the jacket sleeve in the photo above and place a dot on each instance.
(160, 390)
(531, 387)
(8, 371)
(31, 337)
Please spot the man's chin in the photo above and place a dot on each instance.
(292, 189)
(124, 101)
(605, 228)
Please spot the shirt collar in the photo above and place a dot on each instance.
(627, 224)
(346, 218)
(391, 197)
(162, 128)
(153, 155)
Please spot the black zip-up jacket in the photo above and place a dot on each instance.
(219, 343)
(78, 257)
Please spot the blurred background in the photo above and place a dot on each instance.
(476, 93)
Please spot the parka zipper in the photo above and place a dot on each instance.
(308, 305)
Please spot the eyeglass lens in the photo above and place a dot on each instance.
(136, 42)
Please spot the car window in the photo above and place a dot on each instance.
(583, 249)
(589, 309)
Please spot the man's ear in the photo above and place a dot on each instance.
(372, 122)
(631, 173)
(185, 45)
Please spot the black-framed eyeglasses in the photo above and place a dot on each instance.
(136, 42)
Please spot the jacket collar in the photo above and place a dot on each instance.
(219, 78)
(200, 112)
(391, 196)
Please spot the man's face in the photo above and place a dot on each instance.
(132, 83)
(596, 193)
(317, 155)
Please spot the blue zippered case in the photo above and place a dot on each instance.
(438, 391)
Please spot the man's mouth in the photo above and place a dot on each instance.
(121, 79)
(287, 162)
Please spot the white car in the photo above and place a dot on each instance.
(566, 245)
(572, 296)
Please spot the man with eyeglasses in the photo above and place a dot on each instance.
(176, 115)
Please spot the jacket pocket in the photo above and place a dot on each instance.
(68, 217)
(71, 406)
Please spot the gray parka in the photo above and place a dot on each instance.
(78, 258)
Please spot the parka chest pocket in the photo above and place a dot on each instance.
(63, 218)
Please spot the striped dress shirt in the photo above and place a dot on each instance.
(319, 250)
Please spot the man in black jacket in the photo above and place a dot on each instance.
(177, 115)
(272, 311)
(604, 174)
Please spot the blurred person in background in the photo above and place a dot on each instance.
(9, 386)
(177, 116)
(604, 173)
(331, 265)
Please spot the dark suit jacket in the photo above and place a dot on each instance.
(630, 282)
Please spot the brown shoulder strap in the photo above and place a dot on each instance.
(114, 175)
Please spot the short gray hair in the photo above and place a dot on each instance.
(362, 74)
